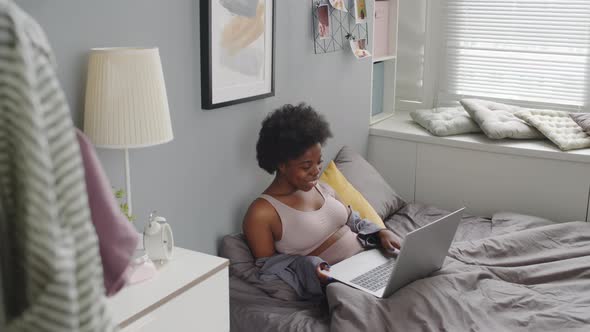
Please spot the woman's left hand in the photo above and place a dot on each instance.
(388, 239)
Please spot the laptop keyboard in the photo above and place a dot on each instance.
(376, 278)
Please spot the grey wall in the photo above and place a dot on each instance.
(206, 177)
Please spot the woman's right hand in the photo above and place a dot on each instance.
(321, 271)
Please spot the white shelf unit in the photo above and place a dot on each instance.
(383, 70)
(384, 58)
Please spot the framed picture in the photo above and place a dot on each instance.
(237, 51)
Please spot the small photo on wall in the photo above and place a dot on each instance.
(339, 4)
(362, 44)
(360, 11)
(359, 48)
(323, 21)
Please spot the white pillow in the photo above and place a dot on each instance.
(558, 127)
(445, 121)
(497, 120)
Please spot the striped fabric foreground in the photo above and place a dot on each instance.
(51, 270)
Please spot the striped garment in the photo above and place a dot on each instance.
(51, 272)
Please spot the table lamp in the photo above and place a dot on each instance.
(126, 105)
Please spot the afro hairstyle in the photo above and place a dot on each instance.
(287, 133)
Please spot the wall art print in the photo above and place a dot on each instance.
(237, 51)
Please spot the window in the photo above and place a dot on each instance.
(529, 52)
(411, 55)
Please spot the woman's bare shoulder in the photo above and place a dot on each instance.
(260, 212)
(262, 227)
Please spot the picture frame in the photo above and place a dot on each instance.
(237, 51)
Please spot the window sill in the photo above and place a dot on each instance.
(401, 126)
(380, 117)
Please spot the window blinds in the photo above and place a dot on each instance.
(533, 52)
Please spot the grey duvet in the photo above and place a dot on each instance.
(508, 273)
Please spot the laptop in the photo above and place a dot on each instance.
(380, 273)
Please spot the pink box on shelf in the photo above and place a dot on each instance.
(381, 32)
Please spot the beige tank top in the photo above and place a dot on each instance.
(304, 231)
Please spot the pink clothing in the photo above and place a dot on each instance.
(117, 238)
(304, 231)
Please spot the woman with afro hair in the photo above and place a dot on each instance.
(296, 214)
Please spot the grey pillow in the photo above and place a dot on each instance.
(242, 265)
(368, 182)
(583, 120)
(498, 121)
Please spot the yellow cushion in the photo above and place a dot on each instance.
(349, 195)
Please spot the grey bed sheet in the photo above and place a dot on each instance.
(510, 272)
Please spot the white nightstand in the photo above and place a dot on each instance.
(189, 293)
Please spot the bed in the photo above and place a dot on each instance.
(509, 272)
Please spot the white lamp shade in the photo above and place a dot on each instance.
(126, 104)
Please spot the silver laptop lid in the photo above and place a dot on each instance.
(424, 251)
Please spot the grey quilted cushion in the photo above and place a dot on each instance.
(368, 182)
(498, 121)
(445, 121)
(583, 120)
(558, 127)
